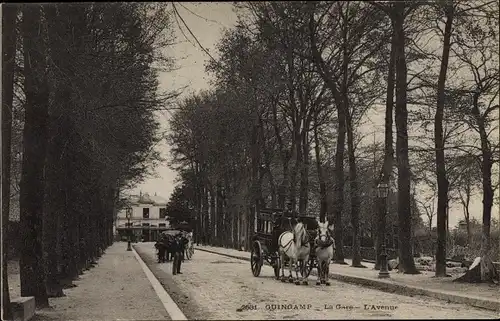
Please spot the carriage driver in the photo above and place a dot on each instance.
(287, 214)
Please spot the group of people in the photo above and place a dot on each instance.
(172, 247)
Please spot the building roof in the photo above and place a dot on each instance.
(147, 199)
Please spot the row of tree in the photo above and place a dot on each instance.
(295, 84)
(80, 92)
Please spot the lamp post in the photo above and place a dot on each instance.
(129, 215)
(383, 191)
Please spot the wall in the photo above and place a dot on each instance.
(154, 212)
(137, 218)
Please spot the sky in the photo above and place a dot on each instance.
(212, 18)
(215, 16)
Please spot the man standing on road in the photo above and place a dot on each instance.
(178, 248)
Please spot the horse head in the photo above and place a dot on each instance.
(300, 233)
(324, 233)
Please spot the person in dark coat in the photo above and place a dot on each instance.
(161, 251)
(178, 246)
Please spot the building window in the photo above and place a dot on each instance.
(145, 224)
(128, 224)
(163, 212)
(145, 212)
(162, 225)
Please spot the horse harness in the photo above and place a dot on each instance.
(306, 242)
(327, 242)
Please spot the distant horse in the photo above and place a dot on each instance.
(324, 251)
(294, 246)
(189, 249)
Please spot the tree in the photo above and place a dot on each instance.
(480, 101)
(326, 71)
(428, 206)
(467, 184)
(9, 39)
(96, 119)
(181, 205)
(442, 182)
(34, 149)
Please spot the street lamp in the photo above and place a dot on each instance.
(383, 192)
(129, 215)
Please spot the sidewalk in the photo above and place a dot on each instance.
(115, 289)
(478, 295)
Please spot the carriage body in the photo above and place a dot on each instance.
(271, 223)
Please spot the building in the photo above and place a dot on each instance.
(148, 218)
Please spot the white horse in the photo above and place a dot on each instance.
(294, 245)
(324, 251)
(189, 248)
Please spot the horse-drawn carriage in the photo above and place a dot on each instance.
(271, 225)
(172, 238)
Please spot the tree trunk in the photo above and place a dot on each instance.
(199, 203)
(487, 162)
(354, 191)
(339, 186)
(406, 261)
(34, 151)
(54, 205)
(297, 153)
(439, 141)
(205, 228)
(234, 217)
(388, 154)
(256, 188)
(304, 172)
(284, 159)
(220, 217)
(321, 177)
(338, 197)
(211, 223)
(467, 218)
(9, 39)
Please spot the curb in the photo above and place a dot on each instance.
(392, 287)
(170, 306)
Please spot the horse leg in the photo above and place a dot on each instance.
(304, 279)
(298, 267)
(291, 263)
(327, 273)
(323, 271)
(320, 270)
(283, 279)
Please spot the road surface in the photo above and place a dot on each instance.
(218, 287)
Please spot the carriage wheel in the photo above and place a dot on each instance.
(256, 260)
(308, 267)
(277, 267)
